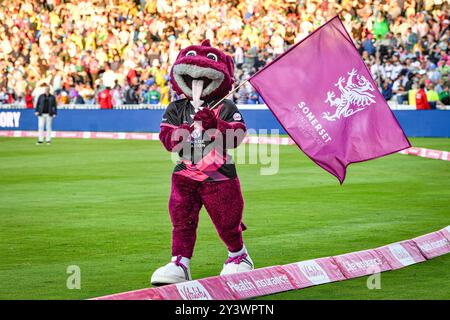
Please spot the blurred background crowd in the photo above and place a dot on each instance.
(119, 52)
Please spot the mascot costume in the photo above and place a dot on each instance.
(205, 175)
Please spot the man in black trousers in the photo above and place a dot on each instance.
(45, 111)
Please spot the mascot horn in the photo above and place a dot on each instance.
(205, 174)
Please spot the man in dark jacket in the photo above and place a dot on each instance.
(132, 95)
(45, 111)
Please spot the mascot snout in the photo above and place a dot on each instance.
(204, 67)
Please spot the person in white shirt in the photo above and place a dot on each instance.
(239, 55)
(109, 77)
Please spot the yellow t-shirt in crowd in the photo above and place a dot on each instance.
(165, 95)
(412, 97)
(432, 95)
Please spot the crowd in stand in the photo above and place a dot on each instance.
(120, 52)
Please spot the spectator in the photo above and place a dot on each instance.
(386, 91)
(117, 98)
(411, 39)
(131, 95)
(432, 96)
(165, 93)
(444, 96)
(412, 94)
(79, 99)
(3, 96)
(153, 96)
(380, 27)
(421, 99)
(109, 77)
(242, 95)
(29, 99)
(253, 97)
(368, 44)
(105, 99)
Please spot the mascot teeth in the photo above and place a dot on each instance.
(184, 74)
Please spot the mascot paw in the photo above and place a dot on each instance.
(188, 128)
(207, 118)
(171, 273)
(184, 131)
(241, 263)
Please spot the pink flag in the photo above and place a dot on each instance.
(325, 98)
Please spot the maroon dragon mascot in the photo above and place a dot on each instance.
(205, 175)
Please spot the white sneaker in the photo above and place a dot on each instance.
(241, 263)
(173, 272)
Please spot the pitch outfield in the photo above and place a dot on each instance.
(101, 205)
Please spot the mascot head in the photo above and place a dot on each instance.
(205, 68)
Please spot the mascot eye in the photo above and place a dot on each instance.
(212, 56)
(191, 53)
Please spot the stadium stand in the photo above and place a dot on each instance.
(83, 47)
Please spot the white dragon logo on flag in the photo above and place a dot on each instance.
(356, 95)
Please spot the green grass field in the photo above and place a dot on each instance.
(102, 205)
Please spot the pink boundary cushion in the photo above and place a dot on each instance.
(142, 294)
(213, 288)
(446, 232)
(433, 244)
(314, 272)
(259, 282)
(192, 290)
(299, 275)
(401, 254)
(361, 263)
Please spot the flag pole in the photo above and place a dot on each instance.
(232, 91)
(228, 94)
